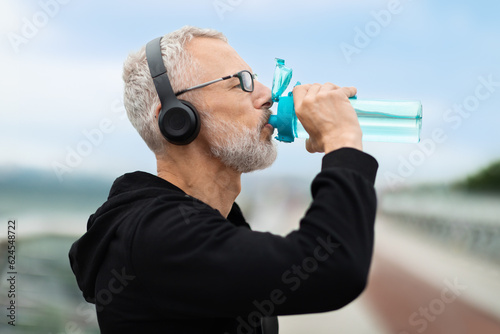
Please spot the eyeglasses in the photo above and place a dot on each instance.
(246, 82)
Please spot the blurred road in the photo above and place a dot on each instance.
(356, 318)
(418, 285)
(407, 304)
(415, 286)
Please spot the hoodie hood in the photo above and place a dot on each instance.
(88, 253)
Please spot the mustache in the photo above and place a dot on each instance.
(264, 118)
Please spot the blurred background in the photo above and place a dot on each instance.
(64, 138)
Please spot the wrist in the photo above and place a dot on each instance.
(351, 140)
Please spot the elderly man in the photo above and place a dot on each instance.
(173, 253)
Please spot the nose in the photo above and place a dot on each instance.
(262, 96)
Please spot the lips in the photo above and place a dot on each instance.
(265, 121)
(267, 125)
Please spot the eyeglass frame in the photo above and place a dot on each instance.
(236, 75)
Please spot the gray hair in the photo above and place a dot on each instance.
(140, 97)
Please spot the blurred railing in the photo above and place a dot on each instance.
(460, 220)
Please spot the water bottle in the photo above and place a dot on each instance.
(380, 120)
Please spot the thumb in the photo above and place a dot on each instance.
(312, 147)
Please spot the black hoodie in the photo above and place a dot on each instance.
(155, 260)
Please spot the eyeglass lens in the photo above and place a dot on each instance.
(247, 81)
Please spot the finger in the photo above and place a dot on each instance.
(301, 88)
(314, 89)
(328, 86)
(349, 91)
(299, 92)
(309, 146)
(306, 86)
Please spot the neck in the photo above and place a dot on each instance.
(201, 176)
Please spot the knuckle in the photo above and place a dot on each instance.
(300, 88)
(324, 95)
(316, 86)
(330, 94)
(331, 85)
(337, 94)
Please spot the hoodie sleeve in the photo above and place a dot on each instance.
(194, 262)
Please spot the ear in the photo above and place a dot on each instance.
(157, 111)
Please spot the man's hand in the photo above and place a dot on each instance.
(328, 117)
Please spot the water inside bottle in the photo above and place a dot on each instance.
(389, 121)
(382, 120)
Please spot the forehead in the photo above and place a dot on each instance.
(216, 57)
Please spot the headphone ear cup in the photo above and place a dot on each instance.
(180, 124)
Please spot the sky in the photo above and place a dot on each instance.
(61, 88)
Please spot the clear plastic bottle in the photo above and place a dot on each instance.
(380, 120)
(385, 121)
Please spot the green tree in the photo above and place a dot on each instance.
(488, 179)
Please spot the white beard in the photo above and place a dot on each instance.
(237, 146)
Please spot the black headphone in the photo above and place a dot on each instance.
(179, 121)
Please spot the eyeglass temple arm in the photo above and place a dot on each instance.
(204, 84)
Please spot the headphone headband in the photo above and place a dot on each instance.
(159, 74)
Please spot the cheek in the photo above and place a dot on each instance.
(235, 108)
(252, 119)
